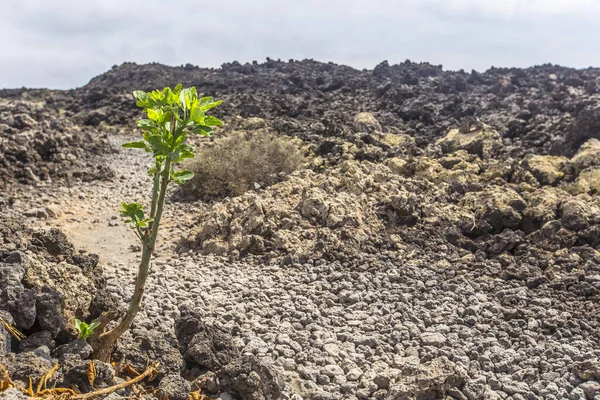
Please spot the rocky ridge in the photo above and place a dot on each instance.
(542, 110)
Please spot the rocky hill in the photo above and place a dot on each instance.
(442, 242)
(545, 110)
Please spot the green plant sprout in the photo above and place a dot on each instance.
(84, 330)
(173, 114)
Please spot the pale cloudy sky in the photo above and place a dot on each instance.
(64, 43)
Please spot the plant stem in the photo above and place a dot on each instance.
(155, 191)
(104, 344)
(106, 341)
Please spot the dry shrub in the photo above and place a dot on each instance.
(232, 164)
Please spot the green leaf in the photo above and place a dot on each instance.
(175, 155)
(206, 100)
(184, 175)
(134, 212)
(182, 99)
(183, 151)
(142, 99)
(84, 330)
(153, 114)
(146, 124)
(202, 130)
(157, 98)
(140, 95)
(135, 145)
(165, 117)
(188, 97)
(208, 104)
(167, 95)
(212, 121)
(197, 115)
(159, 147)
(186, 147)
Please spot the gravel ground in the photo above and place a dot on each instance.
(352, 330)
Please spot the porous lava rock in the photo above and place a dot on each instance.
(40, 144)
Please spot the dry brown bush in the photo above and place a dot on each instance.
(232, 164)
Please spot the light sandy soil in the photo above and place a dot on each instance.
(89, 212)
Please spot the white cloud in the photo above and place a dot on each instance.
(519, 9)
(64, 43)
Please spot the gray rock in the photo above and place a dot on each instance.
(332, 349)
(36, 289)
(256, 346)
(433, 339)
(590, 388)
(427, 380)
(54, 241)
(14, 297)
(493, 395)
(456, 394)
(35, 340)
(206, 345)
(44, 353)
(252, 379)
(153, 345)
(174, 387)
(13, 394)
(354, 374)
(577, 394)
(50, 305)
(383, 379)
(21, 367)
(113, 396)
(333, 370)
(78, 348)
(77, 375)
(514, 387)
(5, 336)
(323, 379)
(36, 213)
(551, 388)
(208, 382)
(474, 390)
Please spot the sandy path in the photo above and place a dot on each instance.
(90, 217)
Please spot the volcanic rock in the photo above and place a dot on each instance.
(548, 170)
(202, 344)
(174, 387)
(482, 141)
